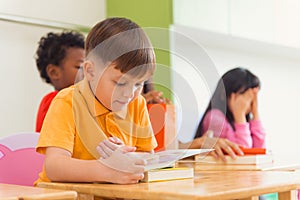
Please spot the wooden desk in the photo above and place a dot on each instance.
(15, 192)
(210, 185)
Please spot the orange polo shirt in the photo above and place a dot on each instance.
(59, 128)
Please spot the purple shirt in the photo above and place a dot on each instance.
(246, 134)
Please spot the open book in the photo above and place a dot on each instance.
(160, 165)
(167, 158)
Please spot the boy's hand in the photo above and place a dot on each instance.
(107, 147)
(120, 161)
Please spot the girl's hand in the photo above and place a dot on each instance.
(240, 105)
(156, 97)
(254, 106)
(222, 146)
(107, 147)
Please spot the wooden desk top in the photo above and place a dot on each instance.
(205, 185)
(13, 192)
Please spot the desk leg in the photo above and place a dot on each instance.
(291, 195)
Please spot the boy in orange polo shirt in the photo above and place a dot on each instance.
(105, 104)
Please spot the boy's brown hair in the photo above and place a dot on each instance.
(121, 42)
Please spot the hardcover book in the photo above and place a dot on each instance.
(240, 160)
(172, 173)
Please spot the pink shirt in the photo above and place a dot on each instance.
(247, 134)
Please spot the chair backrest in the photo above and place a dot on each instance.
(19, 162)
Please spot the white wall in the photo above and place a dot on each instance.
(262, 35)
(22, 88)
(207, 14)
(276, 66)
(273, 21)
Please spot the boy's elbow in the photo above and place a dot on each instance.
(52, 169)
(55, 163)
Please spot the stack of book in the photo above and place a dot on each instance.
(161, 165)
(164, 174)
(253, 159)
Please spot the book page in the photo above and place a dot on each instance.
(167, 158)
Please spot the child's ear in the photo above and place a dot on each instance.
(53, 72)
(89, 70)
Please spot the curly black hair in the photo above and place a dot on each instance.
(52, 49)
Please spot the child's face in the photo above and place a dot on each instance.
(115, 89)
(70, 67)
(241, 101)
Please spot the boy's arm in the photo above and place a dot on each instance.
(60, 166)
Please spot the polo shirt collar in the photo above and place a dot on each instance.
(95, 107)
